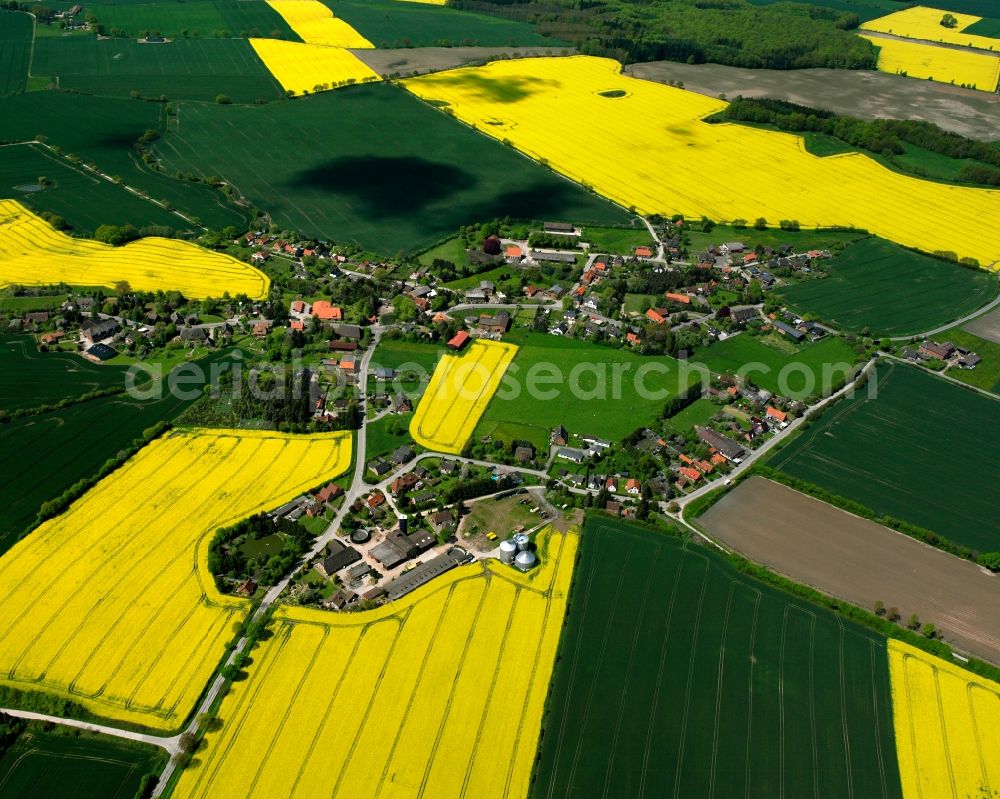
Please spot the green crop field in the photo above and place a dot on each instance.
(395, 353)
(940, 470)
(16, 32)
(46, 377)
(182, 69)
(103, 131)
(679, 676)
(596, 390)
(368, 178)
(389, 23)
(43, 455)
(74, 765)
(84, 200)
(204, 18)
(891, 291)
(777, 364)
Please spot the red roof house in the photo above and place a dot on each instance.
(459, 340)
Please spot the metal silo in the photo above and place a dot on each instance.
(525, 560)
(508, 549)
(522, 541)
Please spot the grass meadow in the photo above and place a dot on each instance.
(679, 676)
(762, 359)
(83, 199)
(180, 69)
(104, 131)
(610, 412)
(891, 290)
(369, 179)
(939, 473)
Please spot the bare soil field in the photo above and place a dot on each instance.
(868, 95)
(986, 326)
(859, 561)
(420, 60)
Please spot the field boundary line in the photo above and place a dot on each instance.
(944, 727)
(843, 708)
(753, 662)
(875, 715)
(969, 688)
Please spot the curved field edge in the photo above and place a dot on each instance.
(98, 688)
(436, 691)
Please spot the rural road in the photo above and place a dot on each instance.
(170, 744)
(964, 320)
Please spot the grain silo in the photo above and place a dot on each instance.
(525, 560)
(522, 541)
(508, 549)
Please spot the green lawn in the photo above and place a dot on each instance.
(452, 249)
(84, 200)
(778, 365)
(801, 240)
(201, 18)
(640, 303)
(37, 378)
(73, 765)
(389, 23)
(923, 451)
(679, 676)
(394, 353)
(16, 30)
(617, 240)
(27, 303)
(697, 413)
(891, 290)
(387, 434)
(181, 69)
(495, 275)
(596, 390)
(369, 179)
(104, 130)
(43, 455)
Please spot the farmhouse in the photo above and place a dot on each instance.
(96, 330)
(459, 340)
(574, 455)
(350, 332)
(643, 252)
(674, 296)
(402, 585)
(788, 330)
(931, 349)
(326, 312)
(512, 253)
(559, 227)
(338, 557)
(396, 549)
(729, 448)
(495, 324)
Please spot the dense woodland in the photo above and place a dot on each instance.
(734, 32)
(886, 137)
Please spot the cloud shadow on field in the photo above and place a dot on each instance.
(533, 201)
(386, 185)
(498, 90)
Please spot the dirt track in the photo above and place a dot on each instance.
(860, 561)
(864, 94)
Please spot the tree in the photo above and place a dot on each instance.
(929, 631)
(187, 742)
(949, 21)
(880, 608)
(991, 560)
(893, 614)
(760, 224)
(222, 99)
(914, 622)
(122, 287)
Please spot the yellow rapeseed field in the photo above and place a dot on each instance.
(947, 723)
(111, 604)
(32, 252)
(316, 24)
(311, 67)
(651, 150)
(924, 23)
(458, 393)
(438, 695)
(916, 60)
